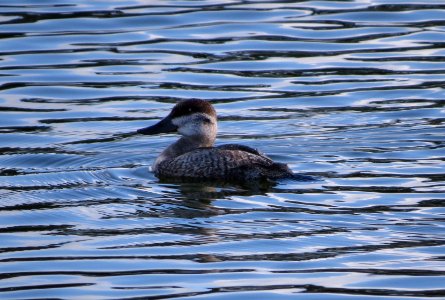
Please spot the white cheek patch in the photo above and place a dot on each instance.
(180, 121)
(192, 124)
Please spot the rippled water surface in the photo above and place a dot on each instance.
(351, 92)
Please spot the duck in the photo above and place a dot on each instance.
(193, 156)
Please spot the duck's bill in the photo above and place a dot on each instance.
(163, 126)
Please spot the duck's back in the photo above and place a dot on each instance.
(228, 162)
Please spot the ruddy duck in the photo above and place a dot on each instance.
(193, 156)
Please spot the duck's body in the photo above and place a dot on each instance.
(226, 162)
(193, 156)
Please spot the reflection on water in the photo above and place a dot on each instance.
(348, 91)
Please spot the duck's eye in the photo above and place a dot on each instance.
(206, 120)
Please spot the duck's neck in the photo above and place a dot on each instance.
(181, 146)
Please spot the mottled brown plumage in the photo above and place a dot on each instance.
(221, 163)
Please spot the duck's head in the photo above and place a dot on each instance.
(190, 118)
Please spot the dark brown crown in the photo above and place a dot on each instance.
(188, 107)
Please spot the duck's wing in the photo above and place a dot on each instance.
(228, 162)
(242, 148)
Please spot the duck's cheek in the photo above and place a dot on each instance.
(188, 129)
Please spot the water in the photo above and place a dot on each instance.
(348, 91)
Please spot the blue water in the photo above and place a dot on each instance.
(351, 92)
